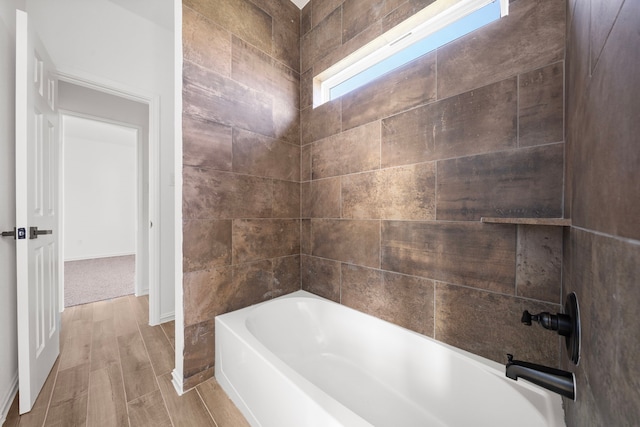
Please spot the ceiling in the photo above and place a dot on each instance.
(150, 10)
(300, 3)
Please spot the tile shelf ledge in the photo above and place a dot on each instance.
(562, 222)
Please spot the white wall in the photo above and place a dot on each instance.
(100, 199)
(101, 41)
(8, 323)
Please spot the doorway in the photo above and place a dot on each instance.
(100, 194)
(105, 135)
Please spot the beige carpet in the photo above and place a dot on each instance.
(98, 279)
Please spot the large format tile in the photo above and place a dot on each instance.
(276, 79)
(77, 349)
(259, 239)
(205, 43)
(107, 405)
(68, 413)
(478, 121)
(321, 9)
(603, 17)
(187, 410)
(223, 410)
(253, 283)
(241, 17)
(351, 241)
(205, 292)
(68, 404)
(286, 30)
(209, 194)
(322, 39)
(125, 321)
(206, 144)
(321, 276)
(255, 154)
(462, 316)
(206, 244)
(530, 37)
(605, 177)
(541, 106)
(36, 417)
(471, 254)
(210, 96)
(104, 346)
(604, 274)
(358, 15)
(320, 122)
(137, 372)
(404, 300)
(160, 352)
(406, 192)
(286, 275)
(539, 263)
(525, 182)
(149, 411)
(286, 44)
(199, 350)
(286, 199)
(356, 150)
(411, 85)
(305, 19)
(321, 198)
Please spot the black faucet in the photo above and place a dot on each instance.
(556, 380)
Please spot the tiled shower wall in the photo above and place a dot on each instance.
(241, 164)
(602, 248)
(396, 176)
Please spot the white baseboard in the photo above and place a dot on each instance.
(143, 292)
(7, 398)
(177, 382)
(81, 258)
(167, 317)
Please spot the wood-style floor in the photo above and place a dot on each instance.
(115, 370)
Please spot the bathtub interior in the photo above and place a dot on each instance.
(384, 374)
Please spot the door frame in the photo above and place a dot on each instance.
(141, 248)
(153, 199)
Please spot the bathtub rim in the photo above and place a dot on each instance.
(233, 320)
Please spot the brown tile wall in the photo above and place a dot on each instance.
(396, 175)
(602, 248)
(241, 163)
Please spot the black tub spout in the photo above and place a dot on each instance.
(556, 380)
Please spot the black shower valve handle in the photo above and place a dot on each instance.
(554, 322)
(527, 318)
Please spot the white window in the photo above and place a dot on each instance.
(434, 26)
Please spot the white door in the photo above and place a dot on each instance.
(36, 205)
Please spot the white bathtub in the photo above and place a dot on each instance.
(301, 360)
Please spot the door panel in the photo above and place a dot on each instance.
(36, 205)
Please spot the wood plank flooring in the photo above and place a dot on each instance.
(115, 370)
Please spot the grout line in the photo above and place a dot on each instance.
(205, 405)
(436, 77)
(91, 349)
(115, 336)
(155, 376)
(518, 111)
(435, 191)
(126, 402)
(434, 309)
(53, 389)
